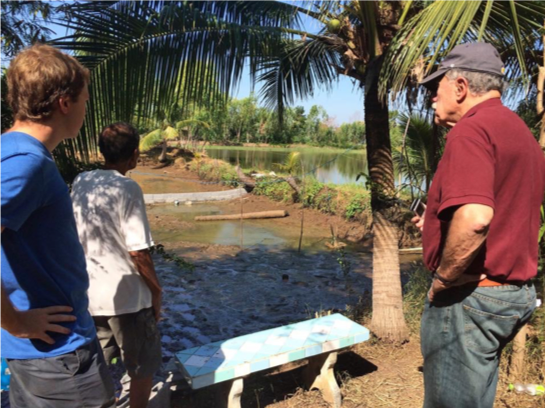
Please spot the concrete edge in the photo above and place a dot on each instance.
(204, 196)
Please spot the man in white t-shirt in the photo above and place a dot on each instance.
(124, 292)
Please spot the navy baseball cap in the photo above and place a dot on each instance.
(476, 57)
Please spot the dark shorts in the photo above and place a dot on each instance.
(76, 379)
(135, 338)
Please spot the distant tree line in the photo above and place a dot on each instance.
(239, 121)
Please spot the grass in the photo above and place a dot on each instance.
(215, 170)
(414, 295)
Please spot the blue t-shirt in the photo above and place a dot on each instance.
(43, 263)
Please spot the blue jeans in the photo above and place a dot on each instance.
(463, 333)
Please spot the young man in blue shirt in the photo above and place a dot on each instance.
(48, 335)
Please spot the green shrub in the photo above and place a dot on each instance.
(310, 191)
(358, 203)
(326, 201)
(274, 189)
(215, 170)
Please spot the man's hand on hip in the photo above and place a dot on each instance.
(437, 286)
(35, 323)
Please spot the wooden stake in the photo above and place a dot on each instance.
(516, 369)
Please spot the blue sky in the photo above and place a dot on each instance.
(344, 102)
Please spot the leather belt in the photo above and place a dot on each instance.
(488, 283)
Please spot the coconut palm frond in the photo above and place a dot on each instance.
(144, 56)
(151, 140)
(292, 164)
(414, 156)
(512, 26)
(170, 133)
(297, 71)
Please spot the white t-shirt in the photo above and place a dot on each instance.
(111, 220)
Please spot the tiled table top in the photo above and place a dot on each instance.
(240, 356)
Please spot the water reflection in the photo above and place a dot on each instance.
(338, 166)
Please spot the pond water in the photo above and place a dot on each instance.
(328, 165)
(252, 233)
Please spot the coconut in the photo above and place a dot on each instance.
(333, 25)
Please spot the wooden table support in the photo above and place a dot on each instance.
(229, 393)
(319, 374)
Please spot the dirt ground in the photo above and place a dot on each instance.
(370, 375)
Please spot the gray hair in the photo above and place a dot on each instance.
(479, 82)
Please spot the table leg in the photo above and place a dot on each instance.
(319, 374)
(229, 393)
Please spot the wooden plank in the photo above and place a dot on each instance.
(246, 216)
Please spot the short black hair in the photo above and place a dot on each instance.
(118, 141)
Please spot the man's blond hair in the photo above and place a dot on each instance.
(38, 76)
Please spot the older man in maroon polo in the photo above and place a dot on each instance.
(480, 232)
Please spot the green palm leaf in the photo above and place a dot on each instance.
(151, 140)
(512, 26)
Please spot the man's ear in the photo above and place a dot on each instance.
(64, 104)
(135, 156)
(462, 89)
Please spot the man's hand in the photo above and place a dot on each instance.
(35, 323)
(418, 221)
(438, 286)
(144, 265)
(156, 300)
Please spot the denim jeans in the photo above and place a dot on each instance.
(463, 333)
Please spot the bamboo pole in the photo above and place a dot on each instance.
(246, 216)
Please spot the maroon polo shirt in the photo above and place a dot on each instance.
(490, 158)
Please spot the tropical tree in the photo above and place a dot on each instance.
(350, 134)
(24, 23)
(291, 165)
(241, 115)
(167, 132)
(383, 46)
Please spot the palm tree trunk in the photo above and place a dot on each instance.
(163, 155)
(388, 322)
